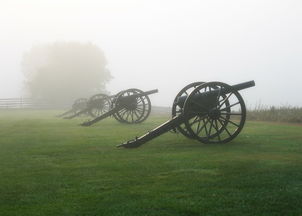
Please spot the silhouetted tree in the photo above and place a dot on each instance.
(63, 71)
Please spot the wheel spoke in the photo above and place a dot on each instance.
(140, 112)
(203, 126)
(128, 113)
(218, 96)
(230, 121)
(139, 108)
(198, 125)
(138, 100)
(224, 109)
(224, 100)
(194, 121)
(225, 128)
(122, 111)
(136, 114)
(217, 130)
(208, 132)
(210, 127)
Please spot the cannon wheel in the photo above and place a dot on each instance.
(98, 104)
(135, 111)
(113, 104)
(79, 104)
(217, 119)
(177, 110)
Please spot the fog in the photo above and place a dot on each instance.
(167, 44)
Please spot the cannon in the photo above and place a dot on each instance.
(95, 106)
(129, 106)
(211, 112)
(99, 104)
(77, 106)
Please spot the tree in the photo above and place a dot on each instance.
(63, 71)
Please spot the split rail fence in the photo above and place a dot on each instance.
(27, 103)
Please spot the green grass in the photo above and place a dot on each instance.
(52, 166)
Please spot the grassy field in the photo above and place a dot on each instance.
(52, 166)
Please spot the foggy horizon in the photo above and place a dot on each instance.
(167, 44)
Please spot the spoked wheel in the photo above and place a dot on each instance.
(98, 105)
(214, 113)
(177, 107)
(79, 104)
(113, 104)
(134, 109)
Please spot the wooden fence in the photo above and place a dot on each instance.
(27, 103)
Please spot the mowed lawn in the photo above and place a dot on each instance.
(53, 166)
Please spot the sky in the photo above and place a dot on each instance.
(167, 44)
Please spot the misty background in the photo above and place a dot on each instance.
(166, 44)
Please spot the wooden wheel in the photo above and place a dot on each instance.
(214, 113)
(98, 104)
(177, 108)
(113, 104)
(134, 109)
(80, 104)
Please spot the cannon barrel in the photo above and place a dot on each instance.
(181, 100)
(244, 85)
(136, 95)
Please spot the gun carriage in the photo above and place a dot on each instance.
(129, 106)
(95, 106)
(212, 112)
(77, 106)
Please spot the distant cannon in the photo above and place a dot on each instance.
(95, 106)
(212, 112)
(129, 106)
(99, 104)
(78, 105)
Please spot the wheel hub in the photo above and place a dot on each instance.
(214, 114)
(131, 104)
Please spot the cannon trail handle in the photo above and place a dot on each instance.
(101, 117)
(65, 113)
(77, 114)
(165, 127)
